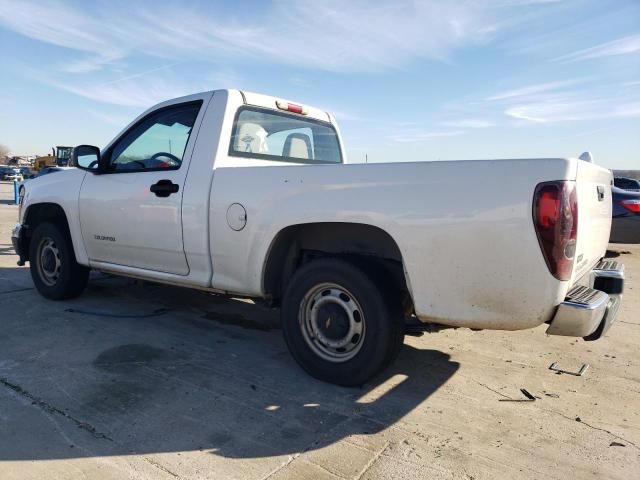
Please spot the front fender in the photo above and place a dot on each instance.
(61, 189)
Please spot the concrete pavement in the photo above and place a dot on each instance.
(135, 380)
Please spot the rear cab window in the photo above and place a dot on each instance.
(273, 135)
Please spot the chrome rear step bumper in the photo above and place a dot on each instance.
(608, 276)
(581, 312)
(589, 312)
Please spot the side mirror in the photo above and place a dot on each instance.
(86, 157)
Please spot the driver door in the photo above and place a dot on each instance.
(131, 215)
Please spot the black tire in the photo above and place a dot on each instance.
(381, 317)
(63, 279)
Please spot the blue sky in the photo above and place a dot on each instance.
(407, 80)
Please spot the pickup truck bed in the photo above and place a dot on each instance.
(451, 228)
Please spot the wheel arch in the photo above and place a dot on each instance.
(39, 213)
(367, 246)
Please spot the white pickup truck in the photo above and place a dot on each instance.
(249, 195)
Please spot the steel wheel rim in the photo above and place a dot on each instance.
(332, 322)
(48, 261)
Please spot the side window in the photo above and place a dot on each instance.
(157, 142)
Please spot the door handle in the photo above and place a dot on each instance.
(164, 188)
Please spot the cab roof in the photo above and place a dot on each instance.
(275, 103)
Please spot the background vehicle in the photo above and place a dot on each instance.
(9, 172)
(626, 183)
(625, 225)
(245, 194)
(13, 174)
(4, 171)
(26, 172)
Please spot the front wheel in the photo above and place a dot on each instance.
(54, 269)
(339, 324)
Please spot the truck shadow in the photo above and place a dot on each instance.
(114, 374)
(6, 249)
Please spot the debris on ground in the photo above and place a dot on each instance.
(525, 392)
(579, 373)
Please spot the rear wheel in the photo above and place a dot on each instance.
(54, 269)
(339, 323)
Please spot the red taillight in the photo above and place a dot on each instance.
(290, 107)
(633, 205)
(555, 216)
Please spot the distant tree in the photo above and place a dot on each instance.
(4, 153)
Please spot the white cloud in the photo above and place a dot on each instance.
(631, 109)
(562, 101)
(358, 36)
(57, 24)
(469, 123)
(115, 120)
(565, 110)
(533, 89)
(331, 35)
(412, 132)
(88, 64)
(540, 113)
(621, 46)
(335, 35)
(141, 89)
(422, 136)
(129, 92)
(531, 2)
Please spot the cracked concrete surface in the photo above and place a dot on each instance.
(38, 402)
(104, 387)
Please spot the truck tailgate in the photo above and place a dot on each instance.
(593, 184)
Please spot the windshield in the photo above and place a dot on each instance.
(273, 135)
